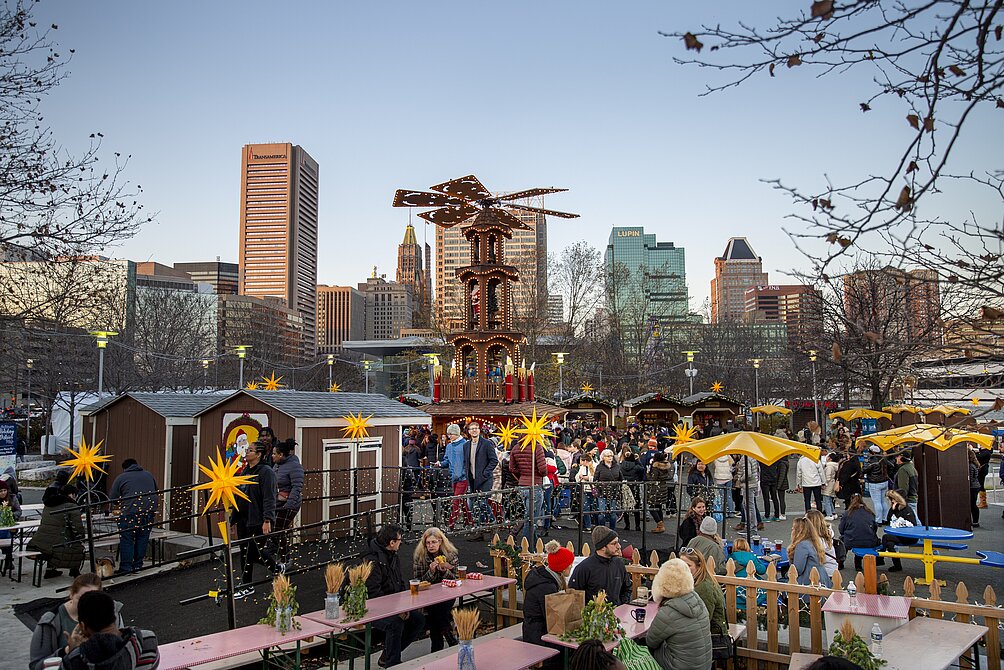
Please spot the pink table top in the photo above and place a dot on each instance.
(399, 603)
(890, 607)
(217, 646)
(499, 654)
(632, 629)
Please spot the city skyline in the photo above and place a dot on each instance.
(622, 127)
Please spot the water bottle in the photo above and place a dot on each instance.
(852, 593)
(876, 641)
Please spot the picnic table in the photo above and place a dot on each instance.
(230, 643)
(499, 654)
(394, 604)
(781, 564)
(632, 629)
(929, 535)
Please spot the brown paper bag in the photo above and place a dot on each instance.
(563, 610)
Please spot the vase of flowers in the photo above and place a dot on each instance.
(467, 621)
(282, 606)
(334, 575)
(355, 598)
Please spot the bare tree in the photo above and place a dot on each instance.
(938, 62)
(52, 203)
(576, 274)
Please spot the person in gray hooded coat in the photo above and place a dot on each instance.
(680, 636)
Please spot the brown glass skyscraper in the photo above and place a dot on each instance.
(278, 250)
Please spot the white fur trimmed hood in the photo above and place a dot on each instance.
(672, 581)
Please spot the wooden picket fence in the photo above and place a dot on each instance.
(769, 647)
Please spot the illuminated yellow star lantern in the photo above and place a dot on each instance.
(358, 426)
(534, 431)
(223, 482)
(507, 434)
(334, 388)
(717, 387)
(587, 388)
(252, 386)
(684, 434)
(272, 383)
(975, 401)
(85, 460)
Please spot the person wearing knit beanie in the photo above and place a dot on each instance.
(541, 581)
(603, 570)
(559, 558)
(603, 536)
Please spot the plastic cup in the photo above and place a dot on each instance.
(414, 586)
(462, 572)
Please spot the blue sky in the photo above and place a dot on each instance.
(582, 95)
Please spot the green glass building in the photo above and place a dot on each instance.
(646, 279)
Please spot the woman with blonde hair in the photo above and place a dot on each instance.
(825, 533)
(806, 551)
(707, 587)
(436, 559)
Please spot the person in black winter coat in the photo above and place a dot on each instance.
(540, 582)
(974, 488)
(603, 570)
(898, 509)
(858, 529)
(387, 578)
(632, 471)
(254, 516)
(691, 523)
(849, 478)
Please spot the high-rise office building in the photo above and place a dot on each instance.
(646, 278)
(223, 277)
(526, 251)
(736, 271)
(799, 307)
(389, 307)
(278, 249)
(341, 315)
(900, 305)
(411, 272)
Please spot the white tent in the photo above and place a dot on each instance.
(59, 421)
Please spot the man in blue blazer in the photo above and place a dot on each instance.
(482, 461)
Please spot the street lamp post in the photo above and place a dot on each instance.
(27, 437)
(432, 360)
(205, 373)
(101, 337)
(242, 352)
(331, 367)
(691, 371)
(366, 371)
(756, 380)
(815, 399)
(561, 379)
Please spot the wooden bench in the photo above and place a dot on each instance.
(37, 570)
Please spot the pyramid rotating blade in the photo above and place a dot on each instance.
(509, 219)
(540, 210)
(530, 193)
(449, 216)
(467, 187)
(405, 198)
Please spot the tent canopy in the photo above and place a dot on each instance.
(900, 409)
(770, 409)
(947, 410)
(924, 433)
(766, 449)
(860, 413)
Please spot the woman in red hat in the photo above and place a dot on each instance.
(541, 581)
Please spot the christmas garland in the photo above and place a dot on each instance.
(598, 622)
(513, 556)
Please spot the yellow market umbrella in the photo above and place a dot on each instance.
(770, 409)
(924, 433)
(860, 413)
(947, 410)
(900, 409)
(761, 447)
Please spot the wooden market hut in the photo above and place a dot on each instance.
(706, 407)
(158, 430)
(349, 475)
(590, 407)
(654, 409)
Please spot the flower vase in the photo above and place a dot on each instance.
(465, 655)
(283, 619)
(332, 606)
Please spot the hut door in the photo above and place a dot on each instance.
(352, 475)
